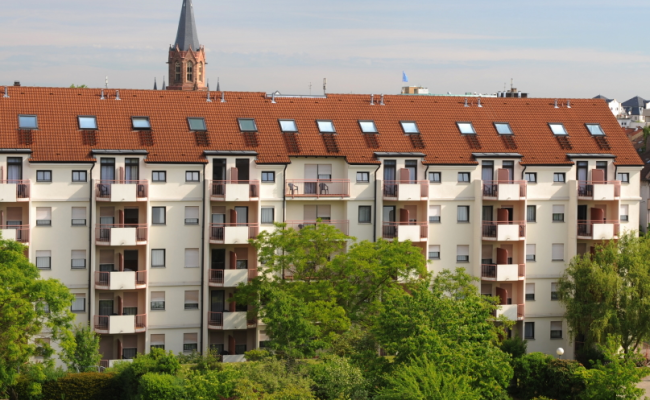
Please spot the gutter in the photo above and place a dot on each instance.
(374, 221)
(90, 246)
(202, 259)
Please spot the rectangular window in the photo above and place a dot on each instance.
(624, 177)
(78, 259)
(159, 176)
(78, 216)
(531, 213)
(531, 249)
(157, 301)
(191, 299)
(197, 124)
(434, 252)
(43, 176)
(326, 126)
(530, 292)
(79, 176)
(190, 342)
(503, 128)
(191, 258)
(463, 177)
(247, 125)
(556, 329)
(463, 213)
(191, 215)
(192, 176)
(363, 177)
(27, 122)
(157, 341)
(141, 123)
(558, 129)
(595, 129)
(44, 259)
(558, 252)
(462, 253)
(558, 213)
(434, 214)
(87, 122)
(365, 216)
(529, 330)
(43, 216)
(268, 176)
(368, 127)
(409, 127)
(554, 295)
(466, 128)
(79, 303)
(268, 215)
(531, 177)
(435, 177)
(288, 125)
(158, 215)
(624, 213)
(157, 258)
(559, 177)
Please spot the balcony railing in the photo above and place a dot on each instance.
(103, 280)
(595, 190)
(216, 277)
(102, 323)
(105, 191)
(317, 188)
(234, 190)
(229, 233)
(405, 230)
(341, 225)
(598, 230)
(514, 312)
(504, 230)
(215, 320)
(504, 190)
(406, 190)
(21, 192)
(103, 234)
(22, 232)
(503, 272)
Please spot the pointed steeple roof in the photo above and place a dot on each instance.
(155, 84)
(187, 36)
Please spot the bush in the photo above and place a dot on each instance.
(589, 356)
(212, 384)
(157, 361)
(82, 386)
(516, 347)
(272, 376)
(257, 355)
(334, 378)
(154, 386)
(538, 375)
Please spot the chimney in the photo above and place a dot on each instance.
(16, 83)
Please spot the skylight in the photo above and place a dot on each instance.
(503, 128)
(368, 127)
(247, 125)
(87, 122)
(409, 127)
(326, 126)
(141, 122)
(558, 129)
(595, 130)
(288, 125)
(27, 122)
(466, 128)
(197, 124)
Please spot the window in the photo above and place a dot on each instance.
(434, 214)
(363, 177)
(141, 123)
(78, 216)
(462, 253)
(178, 72)
(434, 252)
(157, 258)
(44, 259)
(463, 177)
(159, 176)
(554, 294)
(288, 125)
(191, 299)
(463, 214)
(191, 215)
(157, 301)
(529, 330)
(368, 126)
(531, 177)
(624, 212)
(558, 129)
(595, 129)
(556, 329)
(43, 176)
(247, 125)
(157, 341)
(192, 176)
(197, 124)
(158, 215)
(190, 71)
(558, 213)
(559, 177)
(28, 122)
(200, 72)
(268, 215)
(79, 176)
(531, 213)
(435, 177)
(268, 176)
(623, 177)
(189, 342)
(466, 128)
(365, 214)
(326, 126)
(503, 128)
(78, 259)
(79, 303)
(530, 292)
(44, 216)
(558, 252)
(409, 127)
(191, 258)
(530, 252)
(87, 122)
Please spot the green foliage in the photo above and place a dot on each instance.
(157, 361)
(154, 386)
(257, 355)
(589, 355)
(334, 378)
(273, 379)
(212, 384)
(210, 361)
(189, 358)
(538, 374)
(82, 353)
(73, 86)
(83, 386)
(516, 347)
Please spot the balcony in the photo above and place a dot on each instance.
(121, 280)
(504, 231)
(233, 233)
(111, 363)
(503, 272)
(227, 321)
(342, 225)
(300, 188)
(124, 190)
(229, 358)
(413, 231)
(234, 190)
(19, 233)
(599, 190)
(12, 190)
(121, 234)
(598, 230)
(406, 190)
(504, 190)
(514, 312)
(119, 324)
(231, 277)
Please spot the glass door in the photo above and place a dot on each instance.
(132, 170)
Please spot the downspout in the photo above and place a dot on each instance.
(374, 221)
(284, 201)
(523, 172)
(90, 246)
(202, 257)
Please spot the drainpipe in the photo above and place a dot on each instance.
(90, 246)
(374, 221)
(202, 259)
(523, 172)
(284, 200)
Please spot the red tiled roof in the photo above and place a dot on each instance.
(59, 138)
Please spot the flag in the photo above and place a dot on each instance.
(404, 77)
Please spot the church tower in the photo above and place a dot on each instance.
(186, 55)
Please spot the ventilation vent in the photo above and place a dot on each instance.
(416, 141)
(201, 138)
(473, 142)
(146, 138)
(291, 141)
(509, 141)
(250, 138)
(564, 142)
(25, 137)
(330, 143)
(371, 140)
(602, 142)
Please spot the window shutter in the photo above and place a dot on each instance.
(43, 253)
(325, 169)
(158, 340)
(130, 341)
(107, 257)
(107, 212)
(556, 325)
(191, 297)
(14, 214)
(311, 171)
(242, 253)
(434, 248)
(191, 212)
(413, 212)
(106, 296)
(487, 251)
(78, 254)
(234, 174)
(553, 286)
(582, 248)
(310, 213)
(157, 296)
(130, 299)
(558, 251)
(558, 209)
(218, 209)
(462, 250)
(530, 249)
(43, 213)
(78, 212)
(324, 211)
(530, 288)
(190, 338)
(624, 209)
(191, 258)
(486, 289)
(434, 211)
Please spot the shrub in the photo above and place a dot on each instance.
(334, 378)
(157, 361)
(516, 347)
(538, 374)
(257, 355)
(211, 384)
(82, 386)
(154, 386)
(272, 376)
(588, 356)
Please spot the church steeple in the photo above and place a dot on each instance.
(187, 36)
(187, 56)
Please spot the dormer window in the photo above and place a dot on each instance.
(87, 122)
(197, 124)
(326, 126)
(466, 128)
(503, 128)
(595, 129)
(410, 127)
(141, 123)
(368, 126)
(247, 125)
(558, 129)
(288, 125)
(28, 122)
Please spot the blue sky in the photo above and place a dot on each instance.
(552, 48)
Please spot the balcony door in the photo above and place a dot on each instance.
(132, 169)
(131, 216)
(219, 169)
(243, 169)
(218, 259)
(487, 171)
(105, 307)
(14, 168)
(241, 216)
(107, 170)
(510, 213)
(217, 301)
(412, 167)
(130, 260)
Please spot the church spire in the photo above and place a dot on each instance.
(186, 56)
(187, 36)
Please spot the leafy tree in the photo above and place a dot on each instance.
(212, 384)
(28, 305)
(273, 379)
(82, 353)
(335, 378)
(516, 347)
(538, 374)
(156, 362)
(608, 293)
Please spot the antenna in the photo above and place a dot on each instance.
(556, 104)
(223, 97)
(208, 100)
(372, 99)
(6, 96)
(106, 82)
(324, 85)
(479, 102)
(117, 94)
(102, 98)
(382, 100)
(466, 102)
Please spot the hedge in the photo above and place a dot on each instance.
(82, 386)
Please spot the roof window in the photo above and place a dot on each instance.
(409, 127)
(503, 128)
(558, 129)
(141, 122)
(368, 126)
(197, 124)
(87, 122)
(326, 126)
(27, 122)
(466, 128)
(595, 130)
(247, 125)
(288, 125)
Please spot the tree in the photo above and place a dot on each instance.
(82, 354)
(73, 86)
(28, 306)
(608, 293)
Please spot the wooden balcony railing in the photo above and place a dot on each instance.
(390, 230)
(218, 189)
(22, 232)
(104, 187)
(342, 225)
(586, 228)
(103, 232)
(490, 228)
(491, 188)
(490, 271)
(586, 188)
(219, 232)
(23, 188)
(317, 188)
(103, 279)
(391, 189)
